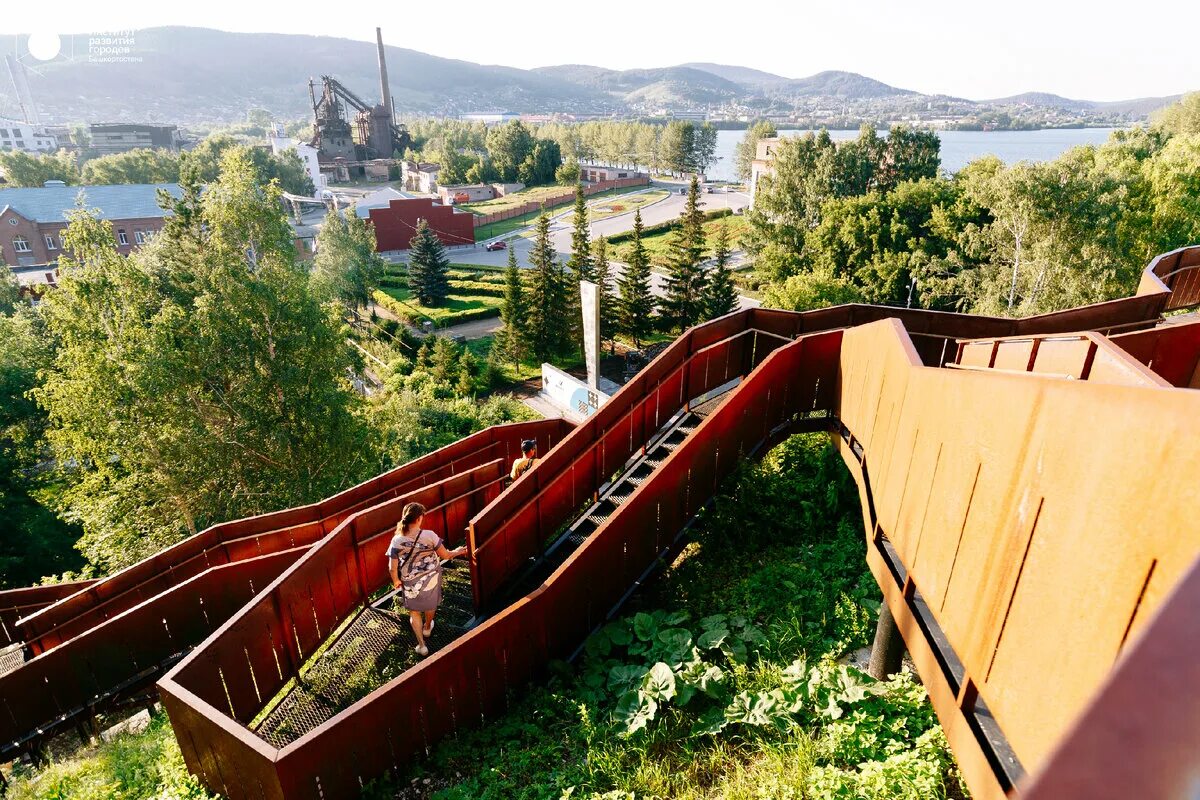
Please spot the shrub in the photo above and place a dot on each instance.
(489, 289)
(663, 227)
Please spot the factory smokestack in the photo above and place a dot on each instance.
(384, 89)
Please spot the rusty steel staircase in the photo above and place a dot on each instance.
(999, 474)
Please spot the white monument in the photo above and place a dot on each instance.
(579, 400)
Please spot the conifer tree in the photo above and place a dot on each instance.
(512, 341)
(549, 297)
(636, 303)
(580, 266)
(720, 296)
(684, 302)
(608, 302)
(581, 255)
(427, 267)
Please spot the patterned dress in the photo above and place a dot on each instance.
(420, 569)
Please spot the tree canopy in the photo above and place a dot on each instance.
(197, 380)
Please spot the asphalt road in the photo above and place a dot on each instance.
(666, 209)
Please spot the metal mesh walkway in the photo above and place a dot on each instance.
(375, 647)
(377, 644)
(11, 657)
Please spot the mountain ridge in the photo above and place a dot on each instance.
(174, 77)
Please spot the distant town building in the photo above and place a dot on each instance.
(108, 138)
(594, 173)
(16, 135)
(763, 164)
(307, 153)
(466, 193)
(489, 117)
(420, 176)
(32, 220)
(396, 223)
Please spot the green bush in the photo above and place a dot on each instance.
(415, 316)
(477, 288)
(723, 681)
(669, 225)
(131, 766)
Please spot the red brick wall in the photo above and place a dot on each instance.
(397, 224)
(35, 234)
(26, 230)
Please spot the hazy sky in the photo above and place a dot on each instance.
(1096, 50)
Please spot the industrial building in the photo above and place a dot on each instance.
(24, 136)
(120, 137)
(372, 134)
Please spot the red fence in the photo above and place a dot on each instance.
(126, 651)
(1176, 273)
(18, 603)
(562, 198)
(127, 627)
(521, 522)
(230, 541)
(1172, 351)
(258, 651)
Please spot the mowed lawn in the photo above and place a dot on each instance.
(658, 244)
(456, 305)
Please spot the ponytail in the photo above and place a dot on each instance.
(412, 512)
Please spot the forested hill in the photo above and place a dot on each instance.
(202, 74)
(190, 75)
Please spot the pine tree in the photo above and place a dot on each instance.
(580, 265)
(684, 302)
(512, 341)
(608, 302)
(468, 369)
(427, 267)
(636, 303)
(549, 297)
(720, 296)
(581, 254)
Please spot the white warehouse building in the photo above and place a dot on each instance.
(16, 135)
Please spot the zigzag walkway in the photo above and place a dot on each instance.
(376, 643)
(80, 650)
(987, 491)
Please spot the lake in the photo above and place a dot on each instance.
(958, 147)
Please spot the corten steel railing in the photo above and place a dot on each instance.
(1081, 356)
(1033, 548)
(472, 680)
(1176, 272)
(18, 603)
(133, 636)
(469, 680)
(461, 685)
(67, 685)
(523, 521)
(223, 685)
(1172, 351)
(230, 541)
